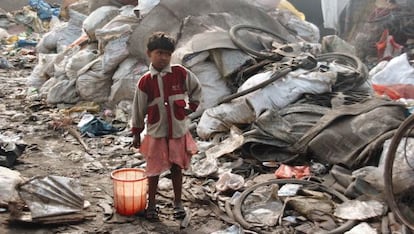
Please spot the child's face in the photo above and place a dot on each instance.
(159, 58)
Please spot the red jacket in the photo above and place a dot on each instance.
(162, 98)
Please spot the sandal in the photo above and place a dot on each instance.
(179, 212)
(152, 215)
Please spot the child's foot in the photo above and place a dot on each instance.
(151, 214)
(179, 212)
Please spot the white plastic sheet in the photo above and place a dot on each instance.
(397, 71)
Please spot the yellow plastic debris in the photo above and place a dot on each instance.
(286, 5)
(12, 39)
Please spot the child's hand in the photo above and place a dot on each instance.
(136, 141)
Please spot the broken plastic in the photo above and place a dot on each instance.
(359, 210)
(229, 181)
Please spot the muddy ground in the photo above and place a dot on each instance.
(52, 151)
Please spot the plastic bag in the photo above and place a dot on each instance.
(44, 10)
(397, 71)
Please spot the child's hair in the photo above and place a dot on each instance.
(161, 40)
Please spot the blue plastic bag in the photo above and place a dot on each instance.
(44, 10)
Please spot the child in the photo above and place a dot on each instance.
(160, 96)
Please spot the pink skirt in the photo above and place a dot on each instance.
(162, 153)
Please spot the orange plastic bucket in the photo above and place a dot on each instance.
(130, 190)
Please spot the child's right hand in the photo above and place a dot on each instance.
(136, 141)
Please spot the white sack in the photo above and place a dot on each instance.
(213, 86)
(98, 18)
(64, 91)
(63, 35)
(286, 90)
(306, 30)
(145, 6)
(78, 61)
(125, 80)
(44, 90)
(8, 181)
(229, 61)
(119, 25)
(48, 42)
(92, 84)
(219, 119)
(39, 74)
(116, 51)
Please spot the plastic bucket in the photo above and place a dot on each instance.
(130, 190)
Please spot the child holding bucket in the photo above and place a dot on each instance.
(161, 96)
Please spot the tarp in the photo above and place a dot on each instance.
(198, 16)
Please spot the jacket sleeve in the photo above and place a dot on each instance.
(139, 109)
(193, 86)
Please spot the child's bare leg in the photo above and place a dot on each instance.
(152, 190)
(177, 180)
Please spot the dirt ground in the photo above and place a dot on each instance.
(55, 152)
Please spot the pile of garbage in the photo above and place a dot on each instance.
(279, 102)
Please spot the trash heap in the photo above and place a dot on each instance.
(279, 102)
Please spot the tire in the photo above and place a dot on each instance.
(237, 40)
(237, 210)
(346, 82)
(404, 130)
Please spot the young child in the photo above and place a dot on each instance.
(161, 96)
